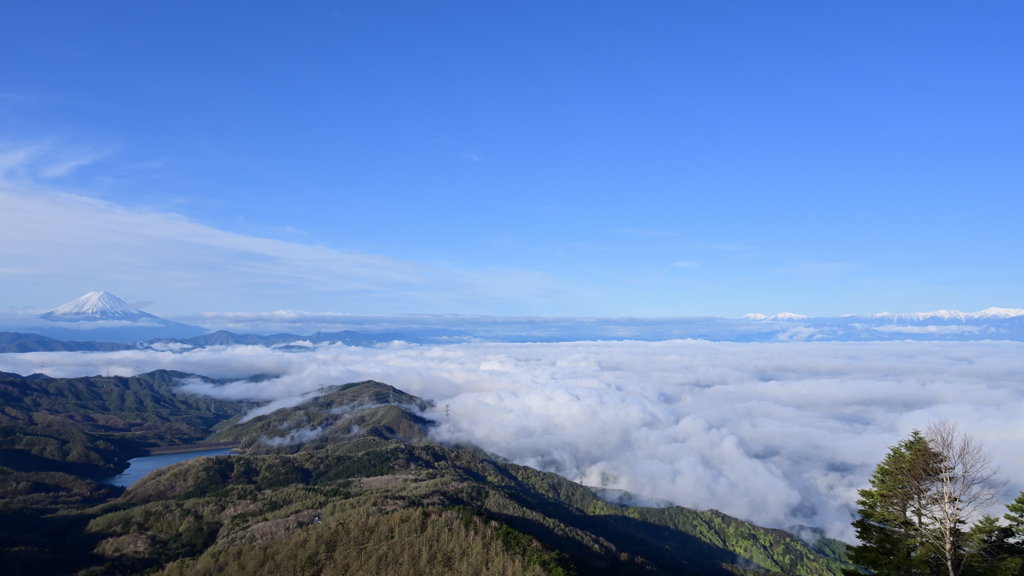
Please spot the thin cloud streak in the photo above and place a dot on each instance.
(780, 434)
(26, 164)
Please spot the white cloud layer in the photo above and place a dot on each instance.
(779, 434)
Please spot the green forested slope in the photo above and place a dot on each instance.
(243, 507)
(367, 494)
(149, 406)
(91, 426)
(58, 435)
(409, 542)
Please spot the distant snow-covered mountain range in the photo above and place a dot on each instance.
(945, 315)
(102, 317)
(987, 324)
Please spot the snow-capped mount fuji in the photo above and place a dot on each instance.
(102, 317)
(97, 307)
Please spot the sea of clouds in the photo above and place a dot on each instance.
(781, 434)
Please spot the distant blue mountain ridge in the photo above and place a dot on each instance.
(100, 321)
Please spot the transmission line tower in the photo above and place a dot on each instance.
(447, 413)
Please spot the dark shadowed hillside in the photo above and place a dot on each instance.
(148, 408)
(15, 342)
(58, 435)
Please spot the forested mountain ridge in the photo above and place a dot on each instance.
(58, 436)
(341, 413)
(267, 506)
(144, 410)
(362, 490)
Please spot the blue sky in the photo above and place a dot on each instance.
(597, 159)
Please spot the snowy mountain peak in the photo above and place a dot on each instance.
(943, 315)
(787, 317)
(994, 312)
(96, 306)
(920, 316)
(783, 317)
(92, 303)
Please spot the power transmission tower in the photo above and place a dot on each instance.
(447, 413)
(138, 371)
(42, 367)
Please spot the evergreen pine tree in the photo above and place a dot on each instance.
(891, 523)
(1015, 517)
(993, 543)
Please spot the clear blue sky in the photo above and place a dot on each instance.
(595, 158)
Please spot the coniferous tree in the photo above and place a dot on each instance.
(916, 518)
(993, 544)
(1015, 518)
(1013, 543)
(892, 512)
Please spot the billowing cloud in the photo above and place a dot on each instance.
(780, 434)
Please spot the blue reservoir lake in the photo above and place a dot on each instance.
(139, 467)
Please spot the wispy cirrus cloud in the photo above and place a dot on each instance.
(66, 166)
(57, 244)
(54, 246)
(23, 165)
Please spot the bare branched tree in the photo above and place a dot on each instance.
(965, 486)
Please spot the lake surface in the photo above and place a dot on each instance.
(139, 467)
